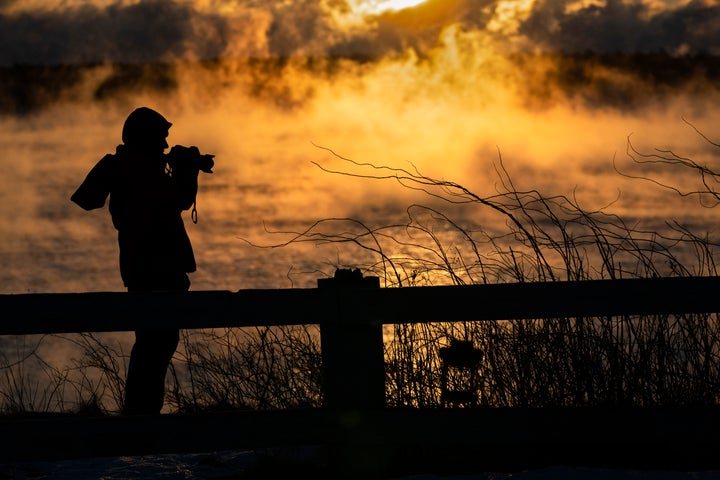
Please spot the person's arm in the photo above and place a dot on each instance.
(185, 183)
(94, 190)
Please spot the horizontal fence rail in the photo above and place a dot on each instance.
(353, 421)
(38, 313)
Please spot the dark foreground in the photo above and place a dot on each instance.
(295, 464)
(392, 443)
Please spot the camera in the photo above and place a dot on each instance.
(181, 157)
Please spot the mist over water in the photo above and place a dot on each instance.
(447, 88)
(266, 178)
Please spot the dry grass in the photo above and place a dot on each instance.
(525, 236)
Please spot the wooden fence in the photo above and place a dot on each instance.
(362, 435)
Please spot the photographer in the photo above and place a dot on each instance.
(148, 191)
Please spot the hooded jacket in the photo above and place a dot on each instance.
(146, 203)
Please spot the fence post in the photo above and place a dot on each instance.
(353, 368)
(352, 347)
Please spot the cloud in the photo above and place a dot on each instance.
(155, 30)
(284, 52)
(302, 27)
(617, 26)
(148, 31)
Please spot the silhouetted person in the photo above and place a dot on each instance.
(148, 191)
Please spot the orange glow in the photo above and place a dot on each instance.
(374, 7)
(509, 14)
(449, 105)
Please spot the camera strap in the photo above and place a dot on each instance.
(193, 212)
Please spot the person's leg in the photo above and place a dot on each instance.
(149, 360)
(151, 353)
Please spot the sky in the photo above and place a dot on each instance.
(552, 88)
(72, 31)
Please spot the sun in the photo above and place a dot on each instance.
(374, 7)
